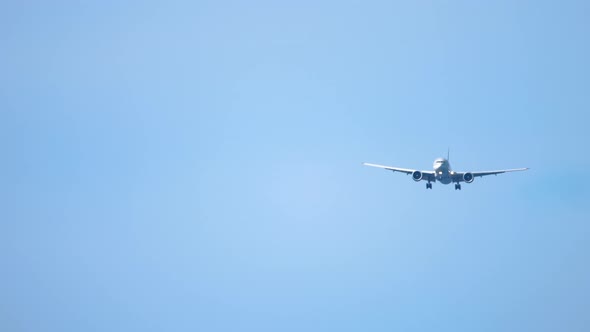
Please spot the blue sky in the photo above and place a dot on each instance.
(196, 166)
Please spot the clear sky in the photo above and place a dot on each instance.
(196, 166)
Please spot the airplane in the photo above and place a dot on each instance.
(443, 173)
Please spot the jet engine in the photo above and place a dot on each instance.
(417, 176)
(468, 177)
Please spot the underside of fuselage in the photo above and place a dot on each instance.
(444, 178)
(442, 169)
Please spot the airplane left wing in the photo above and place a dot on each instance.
(426, 175)
(394, 169)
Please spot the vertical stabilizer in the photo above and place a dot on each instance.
(448, 154)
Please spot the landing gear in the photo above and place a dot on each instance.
(429, 185)
(457, 186)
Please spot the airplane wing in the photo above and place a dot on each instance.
(426, 175)
(458, 176)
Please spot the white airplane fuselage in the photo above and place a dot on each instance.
(442, 169)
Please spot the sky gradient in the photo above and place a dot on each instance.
(196, 166)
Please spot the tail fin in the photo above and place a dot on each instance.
(448, 154)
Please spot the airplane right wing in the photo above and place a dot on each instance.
(426, 175)
(484, 173)
(459, 176)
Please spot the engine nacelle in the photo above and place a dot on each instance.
(468, 177)
(417, 176)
